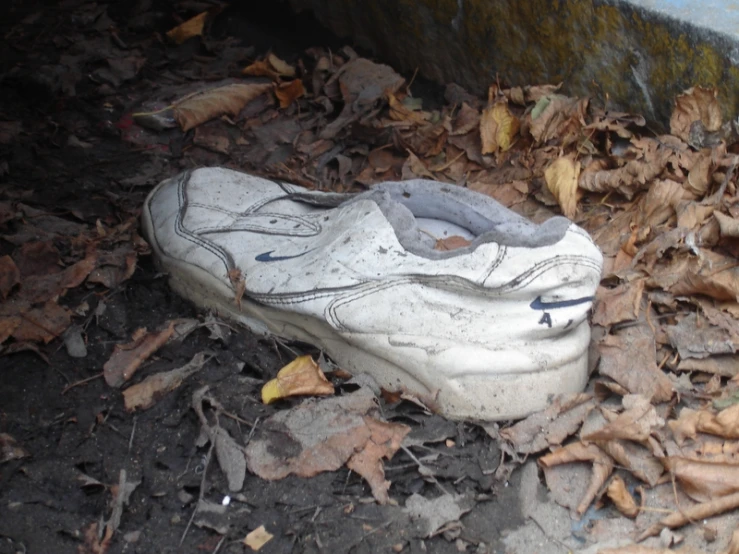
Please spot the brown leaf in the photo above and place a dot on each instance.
(287, 93)
(385, 440)
(300, 377)
(690, 514)
(557, 116)
(127, 358)
(271, 66)
(695, 104)
(42, 288)
(467, 119)
(193, 27)
(9, 276)
(498, 128)
(728, 225)
(549, 427)
(561, 177)
(704, 480)
(193, 110)
(724, 424)
(629, 359)
(145, 394)
(579, 452)
(619, 304)
(621, 497)
(400, 112)
(634, 175)
(43, 323)
(239, 284)
(636, 422)
(451, 243)
(635, 459)
(318, 436)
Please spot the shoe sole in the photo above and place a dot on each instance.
(494, 396)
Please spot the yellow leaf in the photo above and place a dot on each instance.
(498, 127)
(561, 178)
(258, 538)
(299, 377)
(191, 28)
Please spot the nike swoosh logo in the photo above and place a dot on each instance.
(539, 304)
(268, 257)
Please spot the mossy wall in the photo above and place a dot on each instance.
(614, 49)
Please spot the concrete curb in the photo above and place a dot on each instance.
(638, 54)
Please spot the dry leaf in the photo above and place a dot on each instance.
(193, 27)
(621, 497)
(691, 514)
(728, 225)
(257, 538)
(636, 422)
(302, 376)
(9, 276)
(239, 284)
(558, 117)
(318, 436)
(619, 304)
(400, 112)
(144, 395)
(691, 422)
(550, 427)
(287, 93)
(272, 67)
(498, 128)
(127, 358)
(695, 104)
(467, 119)
(580, 452)
(193, 110)
(561, 177)
(629, 359)
(451, 243)
(704, 480)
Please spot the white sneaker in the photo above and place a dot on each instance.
(488, 331)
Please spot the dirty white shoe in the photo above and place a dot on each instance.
(487, 331)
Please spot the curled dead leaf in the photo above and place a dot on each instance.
(127, 358)
(300, 377)
(580, 452)
(193, 110)
(621, 497)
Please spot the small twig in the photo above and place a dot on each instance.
(82, 382)
(133, 432)
(200, 494)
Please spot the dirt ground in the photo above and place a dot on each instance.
(71, 160)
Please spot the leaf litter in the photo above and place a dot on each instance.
(662, 208)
